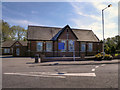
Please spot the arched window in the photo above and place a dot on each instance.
(90, 47)
(71, 45)
(83, 47)
(48, 46)
(39, 46)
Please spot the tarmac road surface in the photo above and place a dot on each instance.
(18, 72)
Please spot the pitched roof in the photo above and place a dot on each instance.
(24, 43)
(8, 44)
(60, 32)
(51, 33)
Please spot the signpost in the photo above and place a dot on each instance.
(74, 52)
(61, 46)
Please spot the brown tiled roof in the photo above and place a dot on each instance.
(47, 33)
(24, 43)
(60, 32)
(42, 33)
(8, 44)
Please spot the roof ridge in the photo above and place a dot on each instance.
(45, 26)
(57, 27)
(81, 29)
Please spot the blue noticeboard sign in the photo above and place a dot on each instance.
(61, 46)
(73, 43)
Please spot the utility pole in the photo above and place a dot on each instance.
(103, 26)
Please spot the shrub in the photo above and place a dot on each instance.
(117, 54)
(108, 57)
(99, 56)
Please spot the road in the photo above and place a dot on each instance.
(20, 72)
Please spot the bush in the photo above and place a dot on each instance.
(108, 57)
(117, 54)
(99, 57)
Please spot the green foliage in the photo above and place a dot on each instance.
(112, 44)
(117, 54)
(108, 57)
(5, 31)
(13, 32)
(107, 49)
(100, 56)
(18, 33)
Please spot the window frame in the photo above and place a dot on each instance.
(84, 47)
(6, 50)
(65, 46)
(41, 47)
(69, 46)
(17, 51)
(49, 50)
(90, 47)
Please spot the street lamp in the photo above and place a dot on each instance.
(110, 5)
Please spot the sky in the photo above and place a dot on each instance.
(80, 15)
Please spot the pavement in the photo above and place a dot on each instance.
(92, 62)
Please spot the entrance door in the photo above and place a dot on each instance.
(17, 51)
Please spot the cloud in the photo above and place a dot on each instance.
(112, 12)
(34, 12)
(78, 11)
(111, 15)
(23, 23)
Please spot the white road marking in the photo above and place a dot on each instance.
(42, 72)
(77, 74)
(59, 75)
(93, 70)
(33, 75)
(46, 72)
(96, 66)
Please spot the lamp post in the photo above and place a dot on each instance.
(103, 25)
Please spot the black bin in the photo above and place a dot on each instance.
(36, 58)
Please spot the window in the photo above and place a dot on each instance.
(39, 46)
(12, 50)
(17, 51)
(83, 47)
(6, 50)
(71, 45)
(48, 46)
(64, 49)
(90, 47)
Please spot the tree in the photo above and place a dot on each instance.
(118, 42)
(113, 50)
(13, 33)
(5, 31)
(18, 33)
(112, 44)
(107, 49)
